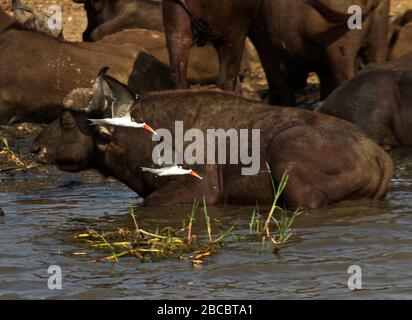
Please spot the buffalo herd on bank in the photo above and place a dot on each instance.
(160, 49)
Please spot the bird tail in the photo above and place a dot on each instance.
(146, 169)
(95, 122)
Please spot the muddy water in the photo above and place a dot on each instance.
(43, 211)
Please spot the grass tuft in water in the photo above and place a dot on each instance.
(283, 224)
(4, 141)
(183, 244)
(10, 155)
(207, 219)
(191, 219)
(153, 246)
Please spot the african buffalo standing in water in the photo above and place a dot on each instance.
(292, 37)
(327, 159)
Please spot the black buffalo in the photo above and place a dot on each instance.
(378, 100)
(292, 37)
(327, 159)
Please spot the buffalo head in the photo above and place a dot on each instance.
(70, 142)
(30, 19)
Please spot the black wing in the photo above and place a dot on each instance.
(123, 99)
(97, 103)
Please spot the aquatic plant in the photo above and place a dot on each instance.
(283, 224)
(10, 154)
(182, 243)
(192, 219)
(4, 141)
(150, 246)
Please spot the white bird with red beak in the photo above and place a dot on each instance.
(172, 171)
(122, 103)
(126, 122)
(169, 169)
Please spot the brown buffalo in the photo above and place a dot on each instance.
(292, 38)
(378, 100)
(107, 17)
(327, 159)
(402, 64)
(400, 42)
(203, 65)
(37, 71)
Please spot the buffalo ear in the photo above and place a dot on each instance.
(31, 19)
(106, 143)
(23, 17)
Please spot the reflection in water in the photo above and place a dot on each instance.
(42, 212)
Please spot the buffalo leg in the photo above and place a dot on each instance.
(342, 63)
(280, 92)
(179, 38)
(376, 49)
(230, 59)
(327, 84)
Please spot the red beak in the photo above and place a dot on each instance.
(194, 174)
(149, 128)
